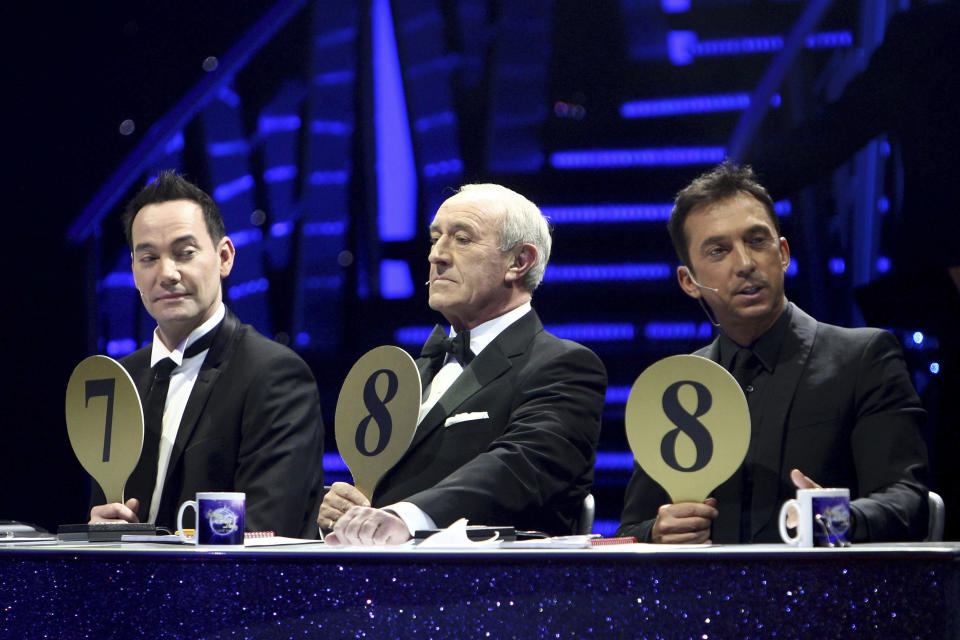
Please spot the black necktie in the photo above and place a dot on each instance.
(458, 346)
(143, 480)
(144, 477)
(746, 366)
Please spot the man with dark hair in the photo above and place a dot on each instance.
(510, 417)
(225, 408)
(828, 406)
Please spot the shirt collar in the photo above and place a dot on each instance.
(160, 350)
(485, 333)
(766, 347)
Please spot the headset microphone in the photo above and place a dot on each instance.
(703, 306)
(703, 286)
(694, 281)
(427, 283)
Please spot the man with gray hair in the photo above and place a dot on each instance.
(510, 414)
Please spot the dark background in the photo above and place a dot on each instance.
(72, 73)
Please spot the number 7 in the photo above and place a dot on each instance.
(103, 387)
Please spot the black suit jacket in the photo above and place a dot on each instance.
(530, 463)
(252, 424)
(840, 407)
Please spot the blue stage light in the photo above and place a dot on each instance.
(395, 279)
(302, 339)
(617, 395)
(829, 40)
(607, 272)
(671, 330)
(651, 157)
(675, 6)
(281, 229)
(683, 47)
(614, 461)
(245, 236)
(228, 96)
(595, 332)
(247, 288)
(883, 264)
(278, 123)
(705, 331)
(837, 265)
(233, 188)
(605, 528)
(121, 347)
(118, 280)
(396, 167)
(635, 212)
(934, 368)
(917, 337)
(442, 167)
(228, 148)
(660, 107)
(412, 335)
(333, 462)
(280, 173)
(607, 213)
(174, 144)
(434, 121)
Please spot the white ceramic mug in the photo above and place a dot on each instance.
(823, 518)
(220, 519)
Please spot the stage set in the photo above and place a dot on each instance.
(330, 132)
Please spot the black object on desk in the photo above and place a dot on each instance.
(477, 533)
(103, 531)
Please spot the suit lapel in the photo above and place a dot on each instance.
(492, 362)
(768, 451)
(220, 352)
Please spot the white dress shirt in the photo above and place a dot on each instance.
(412, 515)
(182, 379)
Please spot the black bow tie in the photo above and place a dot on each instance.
(458, 346)
(164, 367)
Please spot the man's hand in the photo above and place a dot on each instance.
(338, 501)
(368, 526)
(801, 481)
(684, 522)
(116, 512)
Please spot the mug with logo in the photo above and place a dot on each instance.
(220, 518)
(823, 518)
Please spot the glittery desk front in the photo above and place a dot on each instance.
(631, 591)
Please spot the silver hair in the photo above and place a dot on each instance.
(521, 222)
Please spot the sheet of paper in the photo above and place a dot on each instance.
(455, 536)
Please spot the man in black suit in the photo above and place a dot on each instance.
(828, 406)
(237, 412)
(511, 416)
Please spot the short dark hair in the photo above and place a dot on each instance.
(167, 186)
(723, 181)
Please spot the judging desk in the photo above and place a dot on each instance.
(104, 590)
